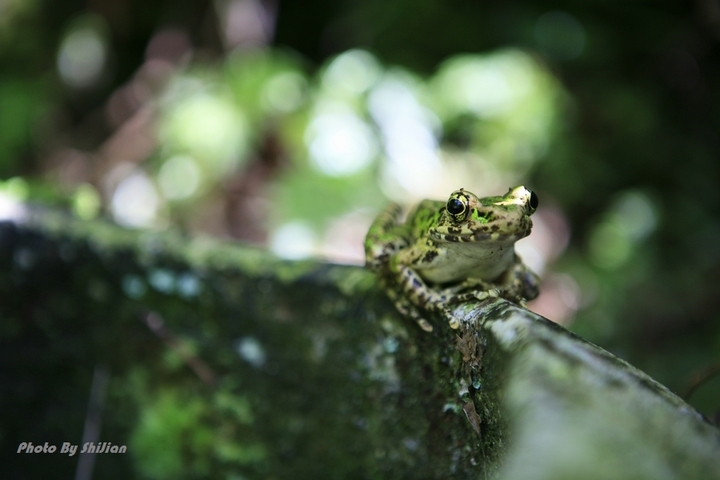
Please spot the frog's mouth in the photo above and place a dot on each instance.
(464, 235)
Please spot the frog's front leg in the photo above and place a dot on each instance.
(419, 293)
(382, 241)
(404, 306)
(519, 283)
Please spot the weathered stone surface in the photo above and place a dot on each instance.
(224, 360)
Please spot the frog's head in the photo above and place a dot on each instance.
(467, 218)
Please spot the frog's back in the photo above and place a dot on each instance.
(423, 217)
(385, 237)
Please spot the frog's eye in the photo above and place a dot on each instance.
(457, 207)
(534, 202)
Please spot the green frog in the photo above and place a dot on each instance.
(451, 252)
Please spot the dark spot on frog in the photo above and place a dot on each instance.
(495, 227)
(416, 283)
(429, 256)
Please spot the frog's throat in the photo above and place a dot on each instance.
(443, 235)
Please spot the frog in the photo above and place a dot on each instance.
(454, 251)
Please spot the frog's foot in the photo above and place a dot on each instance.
(409, 310)
(418, 294)
(512, 293)
(453, 321)
(468, 284)
(424, 324)
(485, 294)
(441, 307)
(456, 295)
(414, 314)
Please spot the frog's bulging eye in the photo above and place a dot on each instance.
(534, 202)
(457, 207)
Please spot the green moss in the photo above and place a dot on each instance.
(168, 427)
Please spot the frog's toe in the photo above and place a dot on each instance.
(406, 308)
(485, 294)
(452, 319)
(424, 324)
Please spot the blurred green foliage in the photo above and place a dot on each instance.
(177, 433)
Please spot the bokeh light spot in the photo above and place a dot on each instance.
(631, 219)
(133, 286)
(408, 133)
(294, 240)
(340, 143)
(162, 280)
(135, 202)
(636, 214)
(210, 128)
(284, 92)
(16, 187)
(82, 57)
(86, 202)
(188, 285)
(179, 177)
(251, 350)
(353, 71)
(609, 248)
(487, 86)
